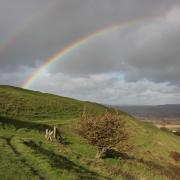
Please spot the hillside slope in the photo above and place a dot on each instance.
(25, 154)
(27, 104)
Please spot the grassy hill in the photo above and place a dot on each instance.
(25, 154)
(27, 104)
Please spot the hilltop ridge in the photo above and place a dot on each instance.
(25, 103)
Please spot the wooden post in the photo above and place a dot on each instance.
(46, 134)
(50, 134)
(55, 132)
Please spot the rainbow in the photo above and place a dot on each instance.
(77, 45)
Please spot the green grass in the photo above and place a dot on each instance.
(25, 154)
(30, 105)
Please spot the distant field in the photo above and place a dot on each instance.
(160, 112)
(169, 126)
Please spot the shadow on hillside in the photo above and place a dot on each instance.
(65, 141)
(61, 162)
(8, 141)
(33, 171)
(18, 124)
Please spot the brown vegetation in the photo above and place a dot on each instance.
(107, 132)
(175, 156)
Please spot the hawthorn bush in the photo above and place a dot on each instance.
(106, 132)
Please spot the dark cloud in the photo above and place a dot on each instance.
(151, 51)
(146, 53)
(41, 28)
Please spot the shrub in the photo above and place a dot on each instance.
(175, 155)
(164, 129)
(106, 132)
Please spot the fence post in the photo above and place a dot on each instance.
(55, 132)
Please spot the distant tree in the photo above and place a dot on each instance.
(107, 132)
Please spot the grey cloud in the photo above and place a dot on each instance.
(106, 89)
(151, 51)
(62, 23)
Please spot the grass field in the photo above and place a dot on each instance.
(25, 154)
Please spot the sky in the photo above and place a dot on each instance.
(135, 64)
